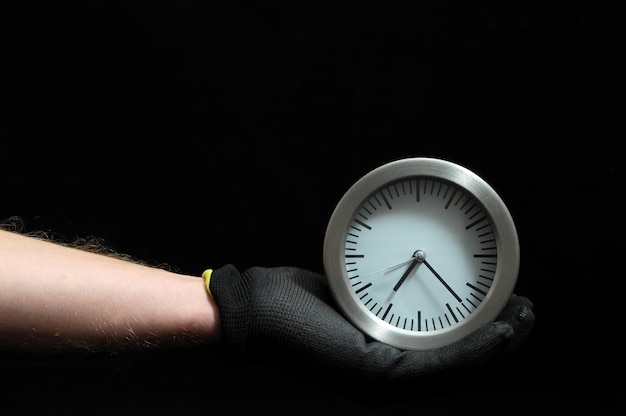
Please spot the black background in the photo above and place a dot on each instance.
(202, 136)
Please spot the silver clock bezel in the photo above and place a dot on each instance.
(507, 244)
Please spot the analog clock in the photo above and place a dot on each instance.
(420, 252)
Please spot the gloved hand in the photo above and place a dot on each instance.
(288, 314)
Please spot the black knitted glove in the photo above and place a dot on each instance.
(288, 314)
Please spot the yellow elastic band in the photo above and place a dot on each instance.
(206, 275)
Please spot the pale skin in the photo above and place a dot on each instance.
(56, 298)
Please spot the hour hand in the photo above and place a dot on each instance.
(417, 257)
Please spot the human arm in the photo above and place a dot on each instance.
(60, 298)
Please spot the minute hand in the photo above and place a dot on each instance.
(442, 281)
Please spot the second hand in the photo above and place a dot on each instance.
(388, 268)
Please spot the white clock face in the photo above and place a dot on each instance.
(421, 254)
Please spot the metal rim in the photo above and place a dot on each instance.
(506, 240)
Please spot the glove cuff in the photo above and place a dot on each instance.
(206, 275)
(226, 286)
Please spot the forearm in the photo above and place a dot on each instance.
(54, 297)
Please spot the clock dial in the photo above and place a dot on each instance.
(420, 254)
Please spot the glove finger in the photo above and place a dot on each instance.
(518, 313)
(516, 300)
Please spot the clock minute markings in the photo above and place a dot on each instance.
(451, 198)
(361, 289)
(395, 187)
(446, 192)
(487, 269)
(386, 200)
(452, 312)
(387, 311)
(432, 186)
(473, 224)
(471, 286)
(361, 223)
(417, 190)
(399, 321)
(439, 189)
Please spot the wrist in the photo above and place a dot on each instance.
(198, 314)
